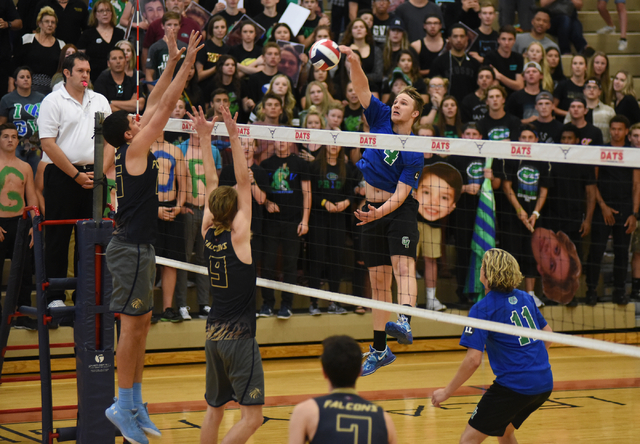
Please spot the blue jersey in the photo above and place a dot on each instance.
(520, 364)
(385, 168)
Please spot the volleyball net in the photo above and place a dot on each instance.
(581, 272)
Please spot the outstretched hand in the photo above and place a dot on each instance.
(230, 123)
(194, 46)
(200, 122)
(174, 53)
(348, 52)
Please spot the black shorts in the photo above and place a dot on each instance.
(170, 241)
(396, 234)
(501, 406)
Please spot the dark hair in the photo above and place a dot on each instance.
(341, 360)
(487, 68)
(619, 118)
(414, 74)
(321, 161)
(215, 19)
(347, 37)
(543, 10)
(431, 16)
(499, 88)
(22, 68)
(529, 127)
(63, 56)
(558, 73)
(270, 95)
(442, 121)
(470, 125)
(361, 12)
(170, 15)
(117, 48)
(570, 128)
(217, 77)
(114, 128)
(448, 173)
(457, 26)
(275, 26)
(219, 92)
(564, 291)
(509, 29)
(70, 62)
(7, 126)
(269, 45)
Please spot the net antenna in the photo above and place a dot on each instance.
(138, 60)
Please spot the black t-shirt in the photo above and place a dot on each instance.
(590, 135)
(353, 119)
(616, 187)
(461, 72)
(505, 128)
(485, 44)
(230, 19)
(330, 186)
(472, 171)
(628, 106)
(567, 198)
(98, 49)
(8, 13)
(72, 19)
(108, 87)
(228, 178)
(521, 104)
(566, 91)
(241, 54)
(508, 67)
(285, 185)
(527, 177)
(472, 108)
(258, 85)
(549, 132)
(266, 22)
(381, 28)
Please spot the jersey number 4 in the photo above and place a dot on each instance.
(357, 426)
(515, 319)
(391, 156)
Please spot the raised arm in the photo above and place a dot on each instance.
(243, 219)
(358, 77)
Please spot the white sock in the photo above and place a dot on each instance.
(431, 293)
(532, 293)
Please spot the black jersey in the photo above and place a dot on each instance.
(233, 287)
(346, 418)
(137, 216)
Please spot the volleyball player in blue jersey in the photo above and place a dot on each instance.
(389, 217)
(521, 365)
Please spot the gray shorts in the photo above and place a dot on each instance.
(635, 240)
(234, 372)
(133, 271)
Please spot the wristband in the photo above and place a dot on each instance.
(519, 210)
(536, 214)
(323, 203)
(76, 176)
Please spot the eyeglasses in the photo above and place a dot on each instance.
(591, 87)
(103, 11)
(431, 85)
(432, 23)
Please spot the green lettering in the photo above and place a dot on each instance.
(195, 178)
(390, 156)
(33, 126)
(12, 195)
(17, 111)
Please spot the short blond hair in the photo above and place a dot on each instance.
(501, 270)
(47, 10)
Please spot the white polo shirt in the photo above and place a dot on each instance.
(71, 123)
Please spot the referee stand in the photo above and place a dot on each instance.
(92, 320)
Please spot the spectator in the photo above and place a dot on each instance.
(508, 13)
(192, 94)
(549, 129)
(589, 134)
(397, 83)
(318, 96)
(448, 119)
(473, 106)
(150, 11)
(305, 36)
(313, 119)
(66, 132)
(159, 51)
(116, 86)
(170, 242)
(437, 90)
(522, 103)
(9, 21)
(259, 82)
(431, 45)
(129, 57)
(335, 116)
(20, 107)
(456, 65)
(353, 112)
(618, 196)
(497, 124)
(332, 184)
(156, 30)
(381, 21)
(71, 18)
(226, 77)
(598, 113)
(526, 186)
(487, 40)
(599, 69)
(339, 16)
(57, 81)
(535, 53)
(569, 89)
(232, 13)
(540, 24)
(624, 97)
(100, 37)
(413, 14)
(288, 207)
(41, 51)
(555, 66)
(507, 63)
(280, 85)
(247, 52)
(609, 27)
(208, 57)
(359, 37)
(408, 65)
(323, 77)
(461, 11)
(268, 17)
(219, 144)
(565, 24)
(272, 115)
(397, 40)
(20, 192)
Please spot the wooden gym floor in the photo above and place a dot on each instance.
(596, 399)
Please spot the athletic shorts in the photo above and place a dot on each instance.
(501, 406)
(616, 1)
(396, 234)
(234, 372)
(430, 244)
(133, 271)
(635, 240)
(170, 242)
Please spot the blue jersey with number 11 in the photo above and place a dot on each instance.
(519, 363)
(383, 169)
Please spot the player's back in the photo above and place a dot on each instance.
(346, 418)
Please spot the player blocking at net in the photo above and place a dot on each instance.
(521, 365)
(234, 366)
(389, 216)
(130, 254)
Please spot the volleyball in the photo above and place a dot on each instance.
(324, 54)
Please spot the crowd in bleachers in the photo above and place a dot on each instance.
(478, 80)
